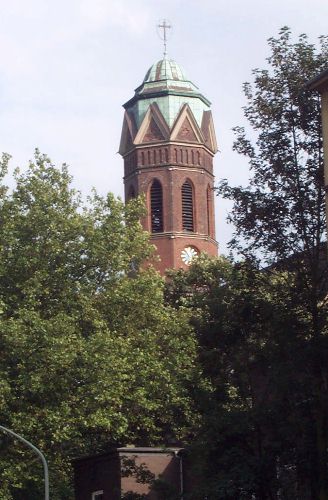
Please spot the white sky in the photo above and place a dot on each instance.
(66, 68)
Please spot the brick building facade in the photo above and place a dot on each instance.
(168, 144)
(152, 473)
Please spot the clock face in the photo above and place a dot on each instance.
(188, 254)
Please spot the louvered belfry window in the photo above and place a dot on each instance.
(187, 207)
(156, 207)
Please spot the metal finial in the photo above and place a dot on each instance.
(164, 25)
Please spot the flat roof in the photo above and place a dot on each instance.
(129, 450)
(148, 449)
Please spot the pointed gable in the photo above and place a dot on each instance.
(185, 128)
(153, 127)
(128, 134)
(209, 131)
(153, 133)
(186, 132)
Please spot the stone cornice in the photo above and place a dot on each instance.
(183, 235)
(162, 93)
(155, 169)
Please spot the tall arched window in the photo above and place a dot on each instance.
(187, 207)
(156, 207)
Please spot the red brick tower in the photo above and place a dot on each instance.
(168, 143)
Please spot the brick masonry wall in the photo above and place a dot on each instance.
(107, 473)
(194, 164)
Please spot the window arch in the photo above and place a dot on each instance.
(187, 206)
(156, 207)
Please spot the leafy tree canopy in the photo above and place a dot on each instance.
(258, 438)
(90, 356)
(281, 212)
(263, 333)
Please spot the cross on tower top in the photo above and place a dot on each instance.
(164, 25)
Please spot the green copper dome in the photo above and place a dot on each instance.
(166, 75)
(167, 85)
(165, 69)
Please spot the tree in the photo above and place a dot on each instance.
(261, 323)
(281, 213)
(257, 439)
(90, 355)
(280, 216)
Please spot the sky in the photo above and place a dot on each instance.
(67, 66)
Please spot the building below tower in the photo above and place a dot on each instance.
(168, 144)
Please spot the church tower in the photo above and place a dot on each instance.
(168, 144)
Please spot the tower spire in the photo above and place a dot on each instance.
(168, 144)
(164, 25)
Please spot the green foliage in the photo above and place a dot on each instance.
(280, 216)
(142, 475)
(164, 490)
(263, 335)
(90, 356)
(258, 433)
(281, 212)
(141, 472)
